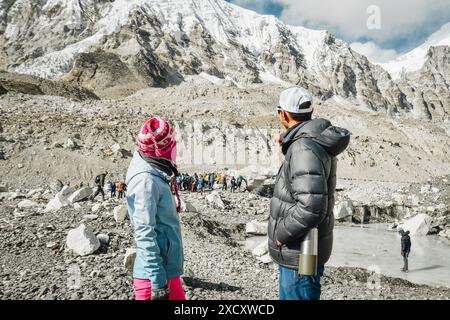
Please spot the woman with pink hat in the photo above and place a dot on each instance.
(153, 213)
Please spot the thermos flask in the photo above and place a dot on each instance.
(308, 254)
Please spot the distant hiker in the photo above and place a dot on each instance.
(239, 181)
(153, 213)
(179, 181)
(224, 183)
(303, 196)
(211, 181)
(233, 184)
(186, 182)
(194, 183)
(201, 185)
(100, 183)
(113, 189)
(406, 248)
(120, 186)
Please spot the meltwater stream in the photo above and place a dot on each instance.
(374, 246)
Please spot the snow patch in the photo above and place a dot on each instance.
(415, 59)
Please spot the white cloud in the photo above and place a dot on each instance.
(348, 18)
(373, 52)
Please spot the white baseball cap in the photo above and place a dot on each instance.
(293, 98)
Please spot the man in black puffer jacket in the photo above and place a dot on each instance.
(303, 195)
(406, 248)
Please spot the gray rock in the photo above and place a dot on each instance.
(82, 241)
(128, 261)
(70, 144)
(27, 204)
(103, 238)
(215, 201)
(418, 225)
(80, 195)
(343, 209)
(120, 213)
(255, 227)
(261, 249)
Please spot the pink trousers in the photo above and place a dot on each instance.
(143, 289)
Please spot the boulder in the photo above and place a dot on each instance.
(55, 204)
(187, 207)
(60, 200)
(80, 195)
(128, 261)
(266, 259)
(343, 209)
(66, 191)
(3, 188)
(33, 192)
(120, 213)
(15, 195)
(82, 241)
(90, 217)
(70, 144)
(418, 225)
(266, 190)
(103, 238)
(26, 204)
(96, 207)
(115, 148)
(255, 227)
(261, 249)
(215, 200)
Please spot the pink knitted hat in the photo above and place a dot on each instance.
(156, 139)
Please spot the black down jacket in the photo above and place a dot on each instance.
(406, 241)
(303, 196)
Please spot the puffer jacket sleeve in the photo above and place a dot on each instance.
(144, 220)
(307, 177)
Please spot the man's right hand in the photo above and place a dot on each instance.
(278, 138)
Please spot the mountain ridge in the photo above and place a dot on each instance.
(160, 43)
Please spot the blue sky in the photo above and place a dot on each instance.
(401, 24)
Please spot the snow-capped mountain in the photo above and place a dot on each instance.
(126, 45)
(414, 60)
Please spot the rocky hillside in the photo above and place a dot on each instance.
(117, 47)
(21, 83)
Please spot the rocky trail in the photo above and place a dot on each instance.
(38, 262)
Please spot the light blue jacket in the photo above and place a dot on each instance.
(152, 211)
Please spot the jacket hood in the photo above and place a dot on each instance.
(333, 139)
(139, 165)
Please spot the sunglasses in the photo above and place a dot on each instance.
(279, 110)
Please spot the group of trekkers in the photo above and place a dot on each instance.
(115, 188)
(198, 183)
